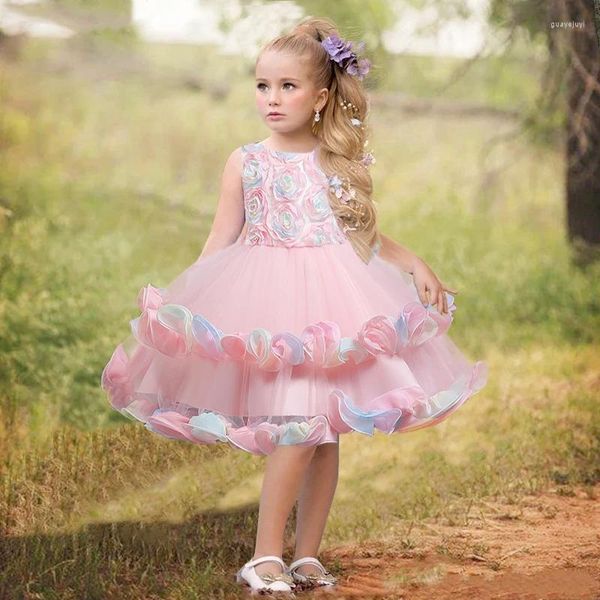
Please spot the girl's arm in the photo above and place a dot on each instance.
(243, 232)
(429, 288)
(397, 254)
(229, 218)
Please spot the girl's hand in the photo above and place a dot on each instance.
(429, 287)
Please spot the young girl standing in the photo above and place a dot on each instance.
(299, 321)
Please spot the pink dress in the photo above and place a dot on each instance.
(287, 336)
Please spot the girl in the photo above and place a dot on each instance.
(299, 321)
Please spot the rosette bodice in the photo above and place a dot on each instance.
(286, 199)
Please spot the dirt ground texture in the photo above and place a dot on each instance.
(545, 547)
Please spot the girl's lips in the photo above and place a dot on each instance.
(275, 116)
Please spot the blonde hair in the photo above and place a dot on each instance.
(342, 144)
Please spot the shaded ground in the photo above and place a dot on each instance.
(545, 547)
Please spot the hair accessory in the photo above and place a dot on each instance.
(340, 51)
(342, 188)
(353, 110)
(368, 159)
(348, 106)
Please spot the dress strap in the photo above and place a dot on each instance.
(245, 147)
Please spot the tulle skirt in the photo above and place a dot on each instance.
(258, 346)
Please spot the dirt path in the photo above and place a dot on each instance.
(547, 547)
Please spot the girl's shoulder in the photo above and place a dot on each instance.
(239, 155)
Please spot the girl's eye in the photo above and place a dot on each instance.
(260, 86)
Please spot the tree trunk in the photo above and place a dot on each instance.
(583, 132)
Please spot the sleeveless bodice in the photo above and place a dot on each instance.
(286, 199)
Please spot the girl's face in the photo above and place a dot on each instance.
(283, 87)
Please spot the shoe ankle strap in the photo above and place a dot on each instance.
(307, 560)
(261, 559)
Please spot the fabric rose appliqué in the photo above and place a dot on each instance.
(318, 206)
(255, 205)
(286, 222)
(251, 173)
(257, 235)
(289, 183)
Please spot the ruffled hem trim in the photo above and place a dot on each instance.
(174, 330)
(399, 410)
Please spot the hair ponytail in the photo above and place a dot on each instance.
(342, 133)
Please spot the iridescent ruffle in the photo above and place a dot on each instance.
(398, 410)
(174, 330)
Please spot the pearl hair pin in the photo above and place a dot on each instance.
(348, 106)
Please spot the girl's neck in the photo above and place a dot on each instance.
(286, 143)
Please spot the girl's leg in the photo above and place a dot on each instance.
(316, 496)
(285, 470)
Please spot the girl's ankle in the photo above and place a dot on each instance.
(299, 556)
(269, 566)
(308, 570)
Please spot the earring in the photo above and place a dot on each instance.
(317, 116)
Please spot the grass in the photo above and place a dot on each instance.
(109, 181)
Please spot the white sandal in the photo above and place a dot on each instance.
(282, 582)
(326, 578)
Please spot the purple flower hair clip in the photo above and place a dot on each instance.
(340, 51)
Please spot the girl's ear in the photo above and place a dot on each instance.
(322, 97)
